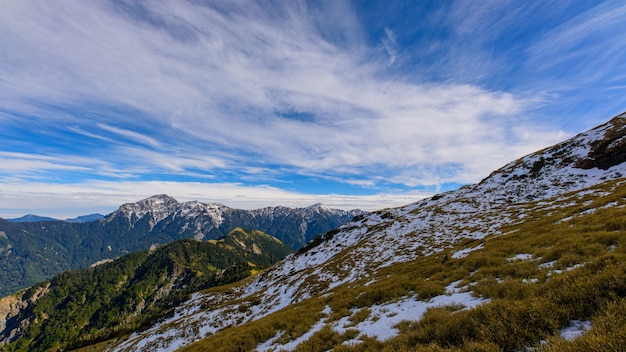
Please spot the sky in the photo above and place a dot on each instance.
(353, 104)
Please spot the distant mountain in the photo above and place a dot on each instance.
(78, 307)
(164, 216)
(531, 258)
(37, 218)
(85, 218)
(35, 251)
(32, 218)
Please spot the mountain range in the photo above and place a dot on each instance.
(37, 218)
(31, 252)
(533, 257)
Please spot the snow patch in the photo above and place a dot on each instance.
(464, 252)
(521, 256)
(576, 329)
(547, 264)
(273, 345)
(384, 318)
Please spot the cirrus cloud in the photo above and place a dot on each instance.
(266, 93)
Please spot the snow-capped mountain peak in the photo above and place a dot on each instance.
(293, 226)
(159, 206)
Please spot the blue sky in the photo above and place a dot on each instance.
(365, 104)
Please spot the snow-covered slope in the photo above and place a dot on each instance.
(586, 159)
(357, 250)
(158, 207)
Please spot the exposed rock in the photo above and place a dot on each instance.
(11, 306)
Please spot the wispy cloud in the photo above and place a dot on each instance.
(15, 163)
(134, 136)
(580, 35)
(245, 91)
(584, 46)
(389, 43)
(231, 77)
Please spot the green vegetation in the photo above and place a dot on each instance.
(572, 267)
(112, 299)
(40, 250)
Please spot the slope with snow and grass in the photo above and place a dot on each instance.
(521, 259)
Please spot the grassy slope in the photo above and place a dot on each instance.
(576, 270)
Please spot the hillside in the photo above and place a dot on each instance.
(79, 307)
(34, 251)
(533, 254)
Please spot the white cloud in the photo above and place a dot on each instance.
(30, 163)
(244, 87)
(584, 36)
(138, 137)
(389, 43)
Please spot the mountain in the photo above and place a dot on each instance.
(32, 218)
(78, 307)
(35, 251)
(85, 218)
(163, 216)
(532, 257)
(37, 218)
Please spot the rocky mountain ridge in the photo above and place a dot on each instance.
(581, 161)
(210, 220)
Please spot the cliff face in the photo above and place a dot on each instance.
(10, 308)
